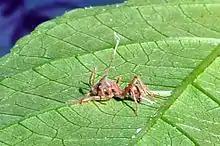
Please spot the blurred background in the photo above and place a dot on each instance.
(20, 17)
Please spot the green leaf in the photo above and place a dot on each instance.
(171, 46)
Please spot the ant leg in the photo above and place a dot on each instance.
(129, 88)
(136, 103)
(130, 85)
(87, 98)
(92, 77)
(97, 98)
(87, 95)
(145, 88)
(118, 80)
(134, 80)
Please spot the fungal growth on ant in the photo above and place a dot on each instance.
(106, 89)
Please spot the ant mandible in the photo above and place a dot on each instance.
(106, 89)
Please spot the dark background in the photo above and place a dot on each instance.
(20, 17)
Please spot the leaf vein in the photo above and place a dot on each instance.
(181, 9)
(154, 28)
(111, 28)
(181, 131)
(93, 36)
(201, 89)
(68, 43)
(32, 94)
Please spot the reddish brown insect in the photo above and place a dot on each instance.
(106, 89)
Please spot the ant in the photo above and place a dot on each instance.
(106, 89)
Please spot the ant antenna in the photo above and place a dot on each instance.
(117, 38)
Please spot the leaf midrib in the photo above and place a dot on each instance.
(178, 91)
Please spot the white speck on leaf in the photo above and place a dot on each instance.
(117, 5)
(138, 130)
(133, 136)
(111, 19)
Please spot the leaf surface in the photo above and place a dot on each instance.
(171, 46)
